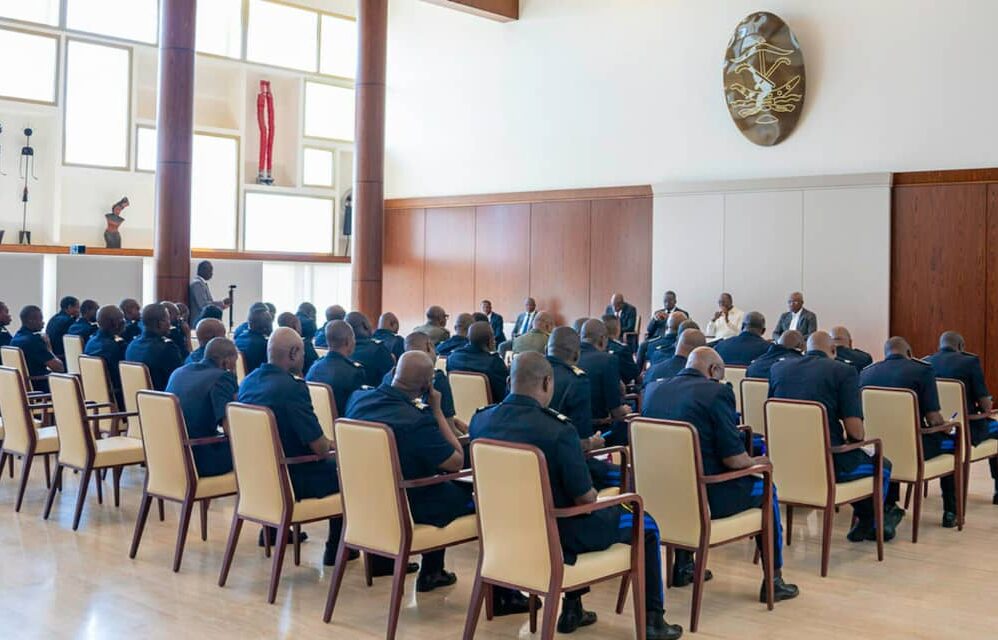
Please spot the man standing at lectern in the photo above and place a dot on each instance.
(200, 295)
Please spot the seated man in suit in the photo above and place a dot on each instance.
(478, 357)
(290, 320)
(436, 324)
(495, 321)
(107, 343)
(86, 324)
(154, 348)
(36, 347)
(696, 396)
(58, 325)
(664, 344)
(336, 369)
(625, 312)
(369, 352)
(790, 345)
(797, 317)
(206, 330)
(748, 345)
(727, 320)
(253, 341)
(820, 378)
(537, 338)
(525, 321)
(460, 336)
(5, 319)
(418, 341)
(333, 312)
(204, 388)
(623, 352)
(952, 361)
(661, 316)
(608, 407)
(388, 333)
(898, 370)
(133, 314)
(844, 351)
(524, 417)
(689, 340)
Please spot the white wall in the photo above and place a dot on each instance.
(763, 239)
(582, 93)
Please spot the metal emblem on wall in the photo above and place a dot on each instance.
(764, 79)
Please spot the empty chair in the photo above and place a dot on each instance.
(752, 394)
(240, 368)
(171, 474)
(97, 391)
(73, 348)
(324, 406)
(12, 357)
(376, 510)
(734, 375)
(134, 378)
(953, 402)
(22, 438)
(78, 449)
(471, 393)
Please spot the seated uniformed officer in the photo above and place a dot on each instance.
(819, 377)
(844, 351)
(388, 333)
(577, 325)
(695, 396)
(336, 368)
(86, 324)
(537, 338)
(180, 331)
(689, 340)
(211, 311)
(608, 408)
(5, 336)
(35, 346)
(133, 313)
(275, 384)
(369, 352)
(418, 341)
(746, 346)
(478, 357)
(790, 344)
(253, 341)
(460, 336)
(204, 388)
(243, 326)
(153, 348)
(58, 325)
(306, 317)
(107, 343)
(622, 351)
(207, 329)
(436, 324)
(524, 416)
(665, 342)
(333, 312)
(290, 320)
(951, 361)
(899, 370)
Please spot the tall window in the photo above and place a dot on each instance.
(98, 92)
(317, 167)
(329, 112)
(127, 19)
(35, 81)
(40, 11)
(220, 28)
(277, 222)
(282, 35)
(338, 52)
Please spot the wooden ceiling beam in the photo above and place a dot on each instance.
(499, 10)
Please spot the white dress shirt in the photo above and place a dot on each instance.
(722, 328)
(794, 320)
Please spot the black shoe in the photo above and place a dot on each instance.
(574, 616)
(511, 603)
(432, 581)
(893, 515)
(949, 519)
(272, 534)
(994, 499)
(683, 576)
(380, 570)
(861, 531)
(329, 555)
(781, 591)
(658, 629)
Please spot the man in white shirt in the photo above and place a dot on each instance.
(727, 320)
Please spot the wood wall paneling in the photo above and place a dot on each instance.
(991, 308)
(405, 231)
(559, 258)
(502, 257)
(449, 279)
(621, 254)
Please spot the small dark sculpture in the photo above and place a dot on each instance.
(112, 238)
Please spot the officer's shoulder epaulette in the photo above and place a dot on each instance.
(554, 414)
(967, 353)
(577, 371)
(919, 361)
(869, 366)
(488, 406)
(118, 339)
(165, 339)
(356, 364)
(376, 341)
(419, 404)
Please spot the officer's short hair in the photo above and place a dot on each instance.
(27, 312)
(68, 301)
(153, 314)
(88, 306)
(211, 311)
(417, 341)
(478, 316)
(529, 370)
(338, 334)
(754, 320)
(219, 349)
(480, 334)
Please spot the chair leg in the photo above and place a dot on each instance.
(826, 539)
(532, 603)
(116, 481)
(25, 470)
(622, 594)
(917, 514)
(668, 566)
(907, 496)
(398, 586)
(56, 486)
(99, 484)
(489, 602)
(230, 548)
(140, 524)
(81, 496)
(3, 461)
(266, 543)
(790, 524)
(275, 571)
(297, 554)
(368, 570)
(878, 519)
(11, 469)
(48, 471)
(204, 519)
(550, 616)
(185, 522)
(957, 490)
(475, 609)
(640, 614)
(162, 512)
(334, 586)
(699, 573)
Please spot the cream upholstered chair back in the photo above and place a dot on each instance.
(952, 399)
(134, 378)
(666, 469)
(754, 392)
(167, 458)
(256, 455)
(441, 363)
(73, 348)
(76, 440)
(892, 416)
(18, 426)
(12, 357)
(513, 496)
(240, 367)
(96, 382)
(471, 393)
(734, 375)
(797, 445)
(324, 406)
(368, 465)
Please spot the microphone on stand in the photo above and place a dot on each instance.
(232, 305)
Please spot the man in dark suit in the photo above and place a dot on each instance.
(797, 317)
(494, 320)
(659, 319)
(624, 311)
(525, 320)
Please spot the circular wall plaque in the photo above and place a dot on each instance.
(764, 78)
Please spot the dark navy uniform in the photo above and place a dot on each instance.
(742, 349)
(604, 379)
(132, 331)
(112, 348)
(666, 369)
(392, 341)
(625, 355)
(55, 329)
(522, 419)
(854, 357)
(204, 389)
(320, 337)
(197, 355)
(179, 338)
(477, 360)
(762, 365)
(253, 344)
(159, 354)
(376, 359)
(5, 337)
(240, 330)
(663, 349)
(36, 355)
(441, 384)
(311, 355)
(82, 328)
(647, 345)
(450, 345)
(341, 373)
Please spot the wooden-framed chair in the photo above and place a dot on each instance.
(240, 367)
(170, 471)
(734, 375)
(376, 510)
(892, 416)
(520, 547)
(801, 452)
(753, 393)
(471, 393)
(78, 449)
(324, 405)
(13, 357)
(134, 378)
(441, 364)
(264, 493)
(22, 436)
(632, 337)
(953, 402)
(668, 474)
(73, 348)
(97, 391)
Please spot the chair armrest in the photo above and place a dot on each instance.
(607, 450)
(315, 457)
(978, 416)
(40, 405)
(944, 427)
(765, 469)
(38, 377)
(196, 442)
(878, 446)
(38, 395)
(89, 404)
(432, 480)
(464, 439)
(603, 503)
(116, 414)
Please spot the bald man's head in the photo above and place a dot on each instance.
(335, 312)
(594, 332)
(288, 319)
(419, 341)
(792, 339)
(208, 329)
(462, 323)
(841, 336)
(689, 340)
(361, 325)
(544, 322)
(706, 361)
(675, 319)
(389, 322)
(897, 346)
(110, 319)
(821, 341)
(754, 322)
(222, 352)
(340, 338)
(951, 340)
(285, 350)
(565, 345)
(480, 334)
(436, 316)
(688, 324)
(414, 373)
(531, 375)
